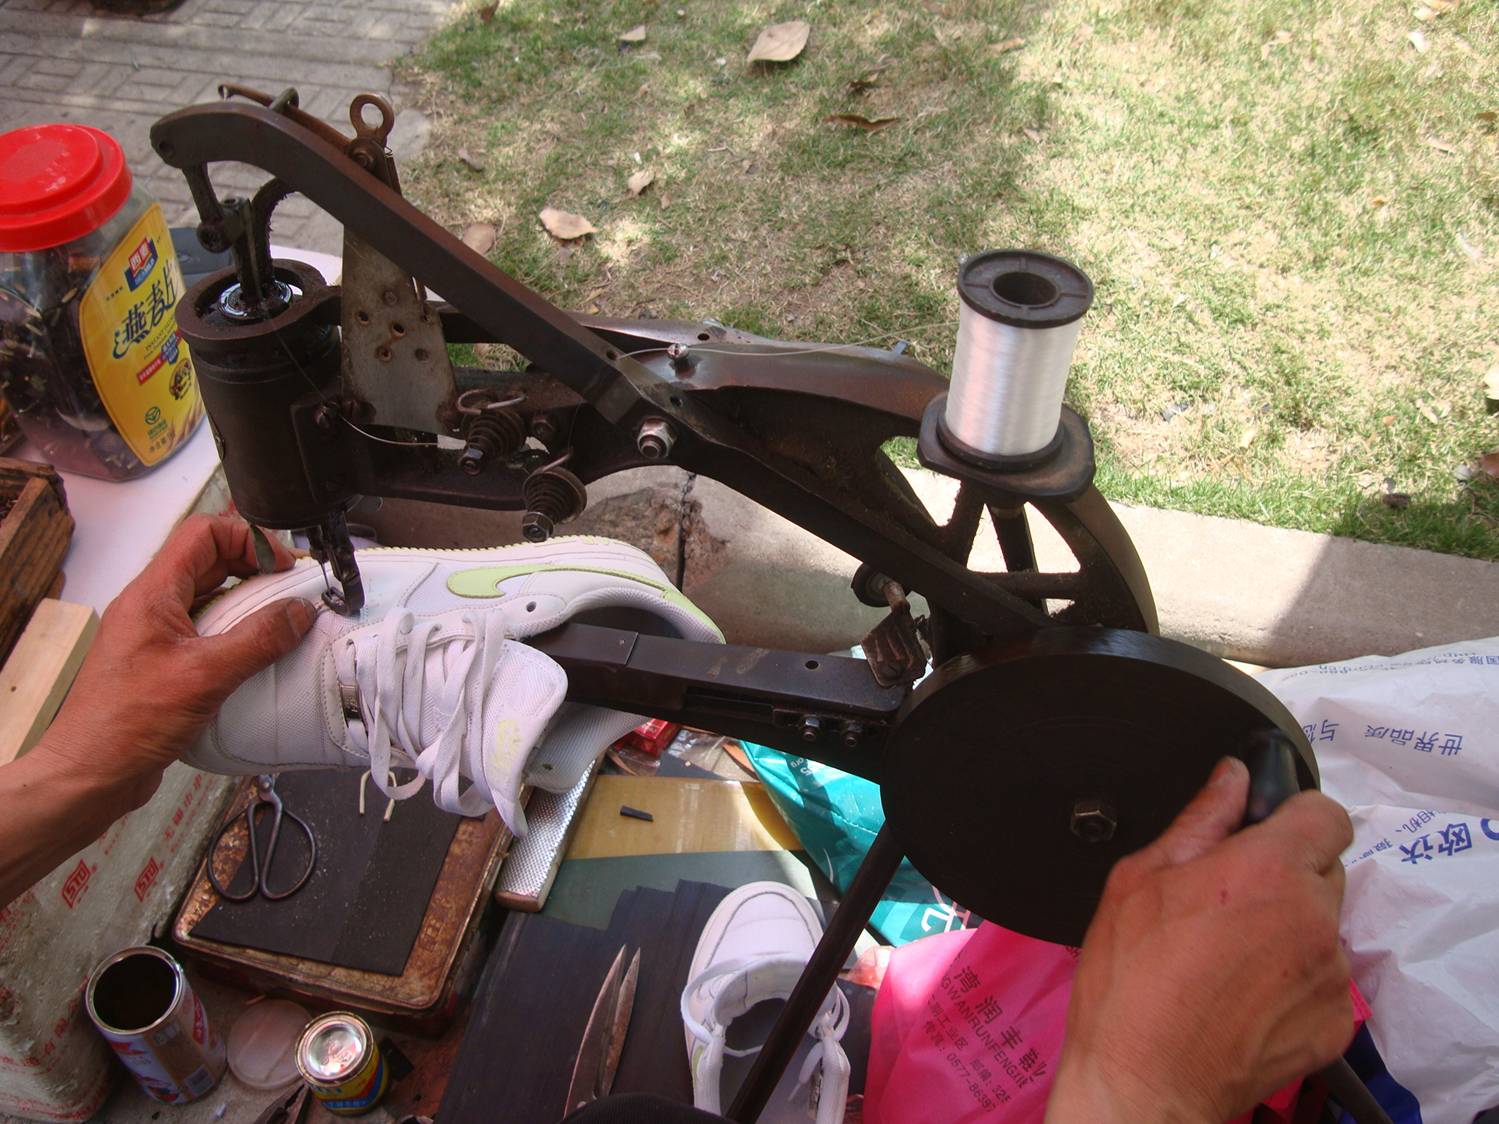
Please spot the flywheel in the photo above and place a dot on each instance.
(1015, 780)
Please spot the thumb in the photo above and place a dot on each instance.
(1214, 814)
(255, 643)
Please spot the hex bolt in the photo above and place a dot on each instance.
(471, 460)
(655, 439)
(389, 296)
(681, 359)
(853, 734)
(324, 417)
(811, 728)
(536, 526)
(544, 429)
(1093, 820)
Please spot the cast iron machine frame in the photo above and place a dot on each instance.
(321, 394)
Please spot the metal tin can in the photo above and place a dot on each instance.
(146, 1010)
(338, 1058)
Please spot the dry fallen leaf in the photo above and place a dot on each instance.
(1418, 41)
(1247, 438)
(1378, 201)
(859, 121)
(1441, 146)
(868, 80)
(479, 236)
(640, 181)
(565, 225)
(1491, 383)
(1469, 250)
(781, 42)
(1489, 462)
(634, 35)
(487, 12)
(1032, 135)
(1487, 116)
(1398, 500)
(473, 164)
(1428, 413)
(1006, 45)
(1388, 419)
(1425, 14)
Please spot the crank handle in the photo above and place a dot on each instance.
(1272, 781)
(1272, 776)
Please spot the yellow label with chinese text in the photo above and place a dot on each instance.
(139, 362)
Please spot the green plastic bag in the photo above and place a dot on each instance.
(836, 816)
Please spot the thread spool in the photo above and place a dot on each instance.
(1017, 327)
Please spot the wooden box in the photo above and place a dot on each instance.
(35, 529)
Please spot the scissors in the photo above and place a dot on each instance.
(265, 796)
(604, 1036)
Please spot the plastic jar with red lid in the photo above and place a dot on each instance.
(91, 360)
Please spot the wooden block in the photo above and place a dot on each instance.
(34, 536)
(40, 670)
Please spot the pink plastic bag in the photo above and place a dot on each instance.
(968, 1026)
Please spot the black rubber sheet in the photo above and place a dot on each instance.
(363, 906)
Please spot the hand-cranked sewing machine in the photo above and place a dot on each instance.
(1056, 732)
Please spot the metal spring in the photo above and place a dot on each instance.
(491, 435)
(556, 493)
(552, 495)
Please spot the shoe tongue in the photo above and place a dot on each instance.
(445, 652)
(440, 664)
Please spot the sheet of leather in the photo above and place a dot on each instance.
(363, 906)
(586, 890)
(525, 1021)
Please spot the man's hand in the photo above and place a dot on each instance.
(150, 682)
(1212, 973)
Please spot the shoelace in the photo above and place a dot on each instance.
(391, 676)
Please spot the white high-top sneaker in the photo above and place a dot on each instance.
(430, 675)
(752, 951)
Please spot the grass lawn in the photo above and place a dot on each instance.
(1290, 211)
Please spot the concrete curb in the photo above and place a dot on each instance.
(1257, 594)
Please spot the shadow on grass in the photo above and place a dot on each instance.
(766, 212)
(1467, 524)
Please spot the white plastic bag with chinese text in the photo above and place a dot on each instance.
(1410, 746)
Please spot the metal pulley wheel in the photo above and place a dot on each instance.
(1016, 780)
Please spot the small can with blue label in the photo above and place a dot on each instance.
(341, 1063)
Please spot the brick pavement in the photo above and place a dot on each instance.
(65, 60)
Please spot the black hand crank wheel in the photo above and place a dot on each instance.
(1016, 780)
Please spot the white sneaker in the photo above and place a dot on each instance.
(429, 674)
(752, 950)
